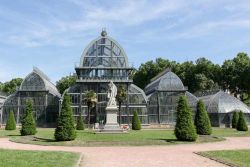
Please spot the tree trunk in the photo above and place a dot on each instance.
(88, 116)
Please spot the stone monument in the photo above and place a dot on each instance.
(112, 125)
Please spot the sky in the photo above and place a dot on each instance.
(52, 34)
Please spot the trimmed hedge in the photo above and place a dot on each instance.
(11, 123)
(80, 123)
(65, 129)
(136, 123)
(242, 125)
(235, 119)
(28, 122)
(184, 128)
(202, 121)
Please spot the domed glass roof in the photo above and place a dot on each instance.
(168, 81)
(104, 52)
(222, 102)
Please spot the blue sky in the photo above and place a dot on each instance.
(52, 34)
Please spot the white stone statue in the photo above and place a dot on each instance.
(112, 91)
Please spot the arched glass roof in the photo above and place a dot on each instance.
(104, 52)
(168, 81)
(222, 102)
(38, 81)
(192, 99)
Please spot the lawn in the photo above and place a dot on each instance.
(133, 138)
(10, 158)
(232, 157)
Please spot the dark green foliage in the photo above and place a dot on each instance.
(11, 123)
(235, 119)
(241, 125)
(184, 128)
(28, 122)
(65, 82)
(80, 123)
(65, 130)
(136, 123)
(91, 100)
(202, 121)
(10, 86)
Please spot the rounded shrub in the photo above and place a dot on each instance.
(184, 128)
(11, 123)
(80, 123)
(202, 121)
(65, 129)
(242, 125)
(28, 122)
(235, 119)
(136, 123)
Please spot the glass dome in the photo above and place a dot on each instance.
(168, 81)
(104, 52)
(222, 102)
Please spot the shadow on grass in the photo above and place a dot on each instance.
(14, 135)
(43, 139)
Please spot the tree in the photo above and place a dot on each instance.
(11, 86)
(11, 123)
(136, 123)
(120, 97)
(80, 123)
(28, 122)
(242, 125)
(65, 82)
(184, 128)
(235, 119)
(202, 121)
(90, 99)
(65, 129)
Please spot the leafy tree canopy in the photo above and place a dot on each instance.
(11, 86)
(65, 82)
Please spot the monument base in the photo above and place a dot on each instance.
(111, 125)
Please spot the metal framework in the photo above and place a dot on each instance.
(36, 87)
(220, 107)
(101, 61)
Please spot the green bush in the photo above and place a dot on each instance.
(242, 125)
(235, 119)
(28, 122)
(184, 128)
(65, 129)
(136, 123)
(202, 121)
(11, 123)
(80, 123)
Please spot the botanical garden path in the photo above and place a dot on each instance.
(142, 156)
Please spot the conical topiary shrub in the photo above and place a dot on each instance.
(184, 128)
(80, 123)
(65, 129)
(202, 121)
(136, 123)
(28, 122)
(242, 125)
(235, 119)
(11, 123)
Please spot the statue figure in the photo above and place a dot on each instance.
(112, 91)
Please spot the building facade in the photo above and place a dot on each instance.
(38, 88)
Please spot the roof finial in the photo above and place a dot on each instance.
(103, 33)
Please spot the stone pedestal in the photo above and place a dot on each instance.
(111, 125)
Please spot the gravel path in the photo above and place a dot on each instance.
(143, 156)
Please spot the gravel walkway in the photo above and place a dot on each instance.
(143, 156)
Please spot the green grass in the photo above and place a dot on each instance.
(234, 157)
(133, 138)
(11, 158)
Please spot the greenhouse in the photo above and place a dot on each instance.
(42, 92)
(163, 93)
(104, 60)
(220, 107)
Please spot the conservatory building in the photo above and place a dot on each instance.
(38, 88)
(104, 60)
